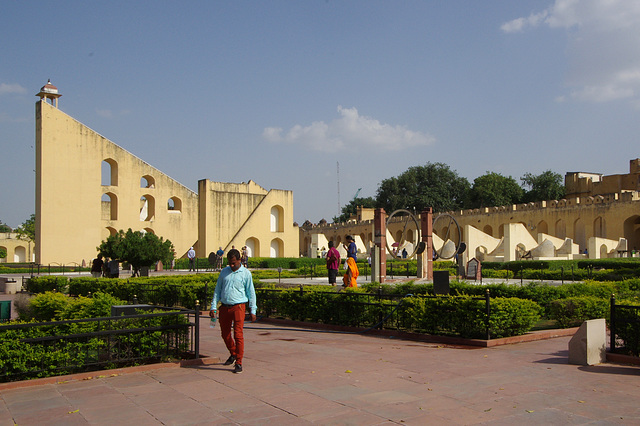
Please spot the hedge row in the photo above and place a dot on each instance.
(462, 316)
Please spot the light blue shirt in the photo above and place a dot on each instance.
(235, 287)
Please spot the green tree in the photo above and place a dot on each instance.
(4, 227)
(3, 253)
(493, 189)
(352, 208)
(432, 185)
(545, 186)
(137, 248)
(27, 231)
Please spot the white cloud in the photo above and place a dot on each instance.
(604, 46)
(11, 88)
(350, 131)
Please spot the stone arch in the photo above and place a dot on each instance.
(149, 230)
(561, 229)
(398, 235)
(603, 252)
(364, 239)
(4, 259)
(632, 232)
(277, 219)
(147, 181)
(599, 227)
(109, 172)
(253, 247)
(579, 234)
(276, 248)
(174, 204)
(481, 253)
(109, 207)
(306, 245)
(108, 232)
(543, 227)
(20, 254)
(488, 230)
(147, 208)
(501, 230)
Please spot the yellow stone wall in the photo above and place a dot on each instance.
(76, 210)
(17, 250)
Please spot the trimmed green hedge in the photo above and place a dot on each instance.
(573, 311)
(462, 316)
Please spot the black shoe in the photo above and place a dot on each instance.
(230, 361)
(238, 369)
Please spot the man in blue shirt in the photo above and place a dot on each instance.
(233, 290)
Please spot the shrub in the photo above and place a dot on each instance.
(573, 311)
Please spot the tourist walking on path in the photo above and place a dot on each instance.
(96, 267)
(349, 278)
(333, 263)
(233, 290)
(191, 255)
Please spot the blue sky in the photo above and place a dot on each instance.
(281, 91)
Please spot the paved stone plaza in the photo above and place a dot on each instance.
(298, 376)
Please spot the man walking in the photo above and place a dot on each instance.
(191, 254)
(233, 290)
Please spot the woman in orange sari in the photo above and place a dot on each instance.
(349, 278)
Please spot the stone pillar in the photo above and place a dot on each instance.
(588, 346)
(379, 260)
(425, 259)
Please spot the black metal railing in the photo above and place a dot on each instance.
(369, 310)
(624, 328)
(64, 347)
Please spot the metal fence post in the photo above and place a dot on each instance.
(612, 324)
(488, 311)
(197, 331)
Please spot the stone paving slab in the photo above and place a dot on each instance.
(295, 377)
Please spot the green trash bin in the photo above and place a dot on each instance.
(5, 310)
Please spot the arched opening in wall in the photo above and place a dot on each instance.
(398, 236)
(561, 229)
(109, 172)
(364, 239)
(147, 181)
(276, 248)
(3, 249)
(370, 238)
(481, 253)
(277, 219)
(599, 227)
(109, 206)
(306, 245)
(487, 230)
(501, 230)
(107, 232)
(149, 230)
(632, 232)
(579, 234)
(147, 208)
(174, 204)
(603, 252)
(542, 227)
(253, 247)
(20, 254)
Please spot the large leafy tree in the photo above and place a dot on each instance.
(545, 186)
(432, 185)
(493, 189)
(27, 231)
(137, 248)
(4, 227)
(352, 208)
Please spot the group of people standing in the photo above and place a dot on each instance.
(351, 268)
